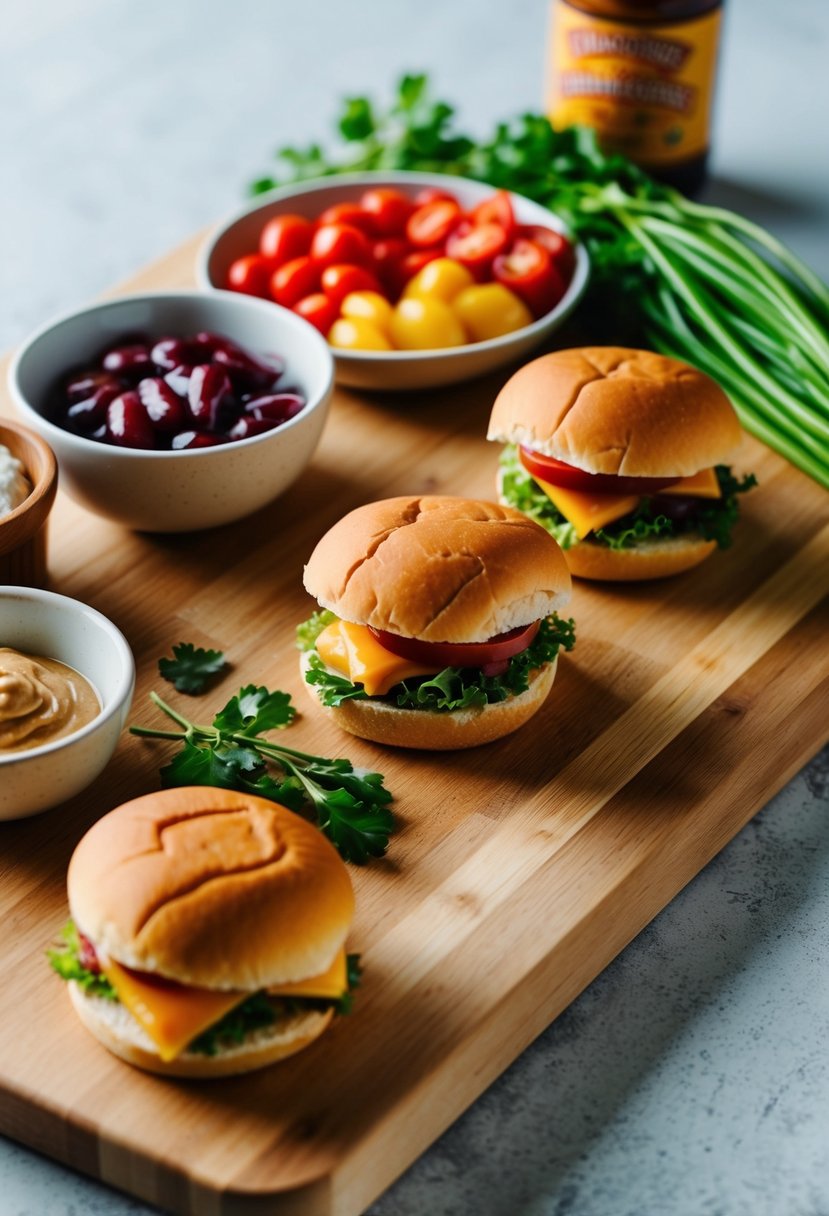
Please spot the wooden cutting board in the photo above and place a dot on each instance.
(520, 869)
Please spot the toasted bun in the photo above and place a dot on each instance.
(114, 1026)
(211, 888)
(439, 569)
(426, 730)
(657, 558)
(606, 409)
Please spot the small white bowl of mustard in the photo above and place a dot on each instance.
(66, 682)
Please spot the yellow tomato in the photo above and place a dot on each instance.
(489, 310)
(368, 306)
(425, 324)
(439, 280)
(355, 333)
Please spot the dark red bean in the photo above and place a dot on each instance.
(248, 426)
(133, 361)
(169, 353)
(165, 408)
(195, 439)
(247, 371)
(128, 424)
(277, 406)
(83, 385)
(209, 386)
(179, 379)
(91, 412)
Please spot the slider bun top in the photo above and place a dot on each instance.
(211, 888)
(439, 569)
(607, 409)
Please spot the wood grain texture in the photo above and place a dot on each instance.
(520, 870)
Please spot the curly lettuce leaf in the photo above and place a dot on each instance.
(308, 632)
(519, 490)
(65, 959)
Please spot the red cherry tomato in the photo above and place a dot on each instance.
(285, 237)
(334, 244)
(562, 254)
(496, 210)
(250, 274)
(348, 213)
(415, 261)
(318, 309)
(528, 271)
(389, 210)
(432, 223)
(340, 281)
(546, 468)
(433, 194)
(386, 256)
(459, 654)
(476, 246)
(297, 278)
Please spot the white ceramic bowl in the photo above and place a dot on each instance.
(184, 490)
(56, 627)
(401, 369)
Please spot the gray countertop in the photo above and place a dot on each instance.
(693, 1075)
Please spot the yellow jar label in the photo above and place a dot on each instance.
(645, 89)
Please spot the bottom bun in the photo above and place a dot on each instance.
(648, 559)
(429, 731)
(114, 1026)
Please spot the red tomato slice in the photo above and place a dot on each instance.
(528, 271)
(496, 210)
(389, 210)
(459, 654)
(286, 237)
(546, 468)
(334, 244)
(250, 274)
(348, 213)
(340, 281)
(433, 194)
(319, 310)
(476, 246)
(431, 224)
(297, 278)
(562, 254)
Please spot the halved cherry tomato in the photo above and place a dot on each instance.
(433, 194)
(459, 654)
(348, 213)
(496, 210)
(340, 280)
(528, 271)
(318, 309)
(334, 244)
(387, 256)
(297, 278)
(389, 210)
(430, 225)
(558, 473)
(476, 246)
(285, 237)
(250, 274)
(562, 254)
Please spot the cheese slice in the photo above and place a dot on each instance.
(353, 651)
(703, 484)
(333, 983)
(586, 511)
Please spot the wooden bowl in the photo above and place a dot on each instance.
(23, 532)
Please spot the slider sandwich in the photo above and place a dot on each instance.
(620, 455)
(439, 625)
(207, 934)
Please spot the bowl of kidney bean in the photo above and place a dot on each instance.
(379, 236)
(178, 410)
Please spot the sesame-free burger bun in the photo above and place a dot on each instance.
(647, 559)
(211, 888)
(439, 569)
(607, 409)
(115, 1027)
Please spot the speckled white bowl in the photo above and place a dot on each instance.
(397, 369)
(186, 490)
(56, 627)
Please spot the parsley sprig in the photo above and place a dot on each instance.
(191, 667)
(349, 805)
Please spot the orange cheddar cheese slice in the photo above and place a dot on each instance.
(351, 650)
(586, 511)
(333, 983)
(703, 484)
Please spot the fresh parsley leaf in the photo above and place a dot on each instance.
(191, 667)
(308, 632)
(254, 710)
(65, 959)
(333, 689)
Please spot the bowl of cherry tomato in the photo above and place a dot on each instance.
(415, 279)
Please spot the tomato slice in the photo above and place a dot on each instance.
(562, 254)
(459, 654)
(527, 269)
(496, 210)
(430, 225)
(476, 246)
(558, 473)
